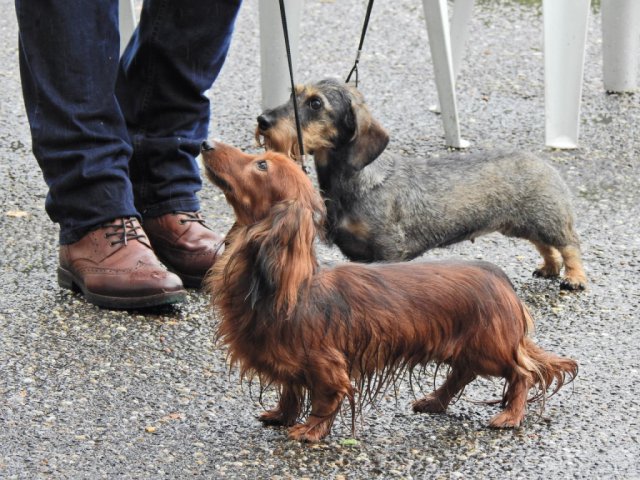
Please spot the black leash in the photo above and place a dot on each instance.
(283, 15)
(362, 35)
(285, 30)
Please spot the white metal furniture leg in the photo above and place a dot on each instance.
(127, 16)
(275, 81)
(620, 44)
(565, 35)
(435, 12)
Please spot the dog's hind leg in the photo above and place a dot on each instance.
(288, 409)
(515, 400)
(574, 276)
(438, 401)
(552, 261)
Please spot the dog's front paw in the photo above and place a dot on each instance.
(545, 272)
(573, 284)
(429, 404)
(309, 432)
(507, 419)
(276, 418)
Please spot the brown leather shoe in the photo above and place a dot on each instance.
(115, 267)
(185, 244)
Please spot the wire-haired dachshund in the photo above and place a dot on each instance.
(383, 207)
(321, 335)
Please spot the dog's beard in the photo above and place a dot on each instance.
(281, 143)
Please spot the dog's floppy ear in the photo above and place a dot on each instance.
(369, 138)
(285, 256)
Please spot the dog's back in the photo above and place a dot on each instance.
(435, 307)
(406, 206)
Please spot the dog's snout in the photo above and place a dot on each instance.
(264, 122)
(207, 146)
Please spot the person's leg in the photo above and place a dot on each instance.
(174, 57)
(68, 63)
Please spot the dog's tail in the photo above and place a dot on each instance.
(542, 367)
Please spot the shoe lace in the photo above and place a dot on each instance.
(126, 229)
(191, 217)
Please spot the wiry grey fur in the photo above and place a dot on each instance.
(396, 208)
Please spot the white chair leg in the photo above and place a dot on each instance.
(127, 16)
(620, 44)
(435, 12)
(462, 10)
(275, 80)
(565, 35)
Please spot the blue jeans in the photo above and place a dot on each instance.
(119, 137)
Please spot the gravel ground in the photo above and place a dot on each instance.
(90, 393)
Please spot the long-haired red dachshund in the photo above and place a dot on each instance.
(321, 334)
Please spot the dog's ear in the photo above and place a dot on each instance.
(369, 138)
(285, 257)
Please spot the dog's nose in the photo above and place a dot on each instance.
(264, 123)
(207, 146)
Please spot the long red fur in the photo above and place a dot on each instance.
(323, 333)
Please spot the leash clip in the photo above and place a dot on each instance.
(361, 44)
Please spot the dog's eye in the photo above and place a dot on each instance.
(262, 165)
(315, 103)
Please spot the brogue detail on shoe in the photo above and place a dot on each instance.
(114, 266)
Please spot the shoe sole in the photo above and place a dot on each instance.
(68, 280)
